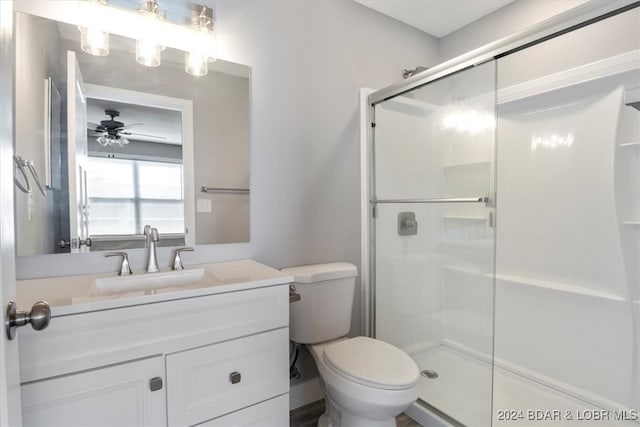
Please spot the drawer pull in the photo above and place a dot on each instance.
(155, 384)
(235, 377)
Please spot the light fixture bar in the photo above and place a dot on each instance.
(121, 22)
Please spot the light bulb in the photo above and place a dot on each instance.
(196, 64)
(102, 140)
(148, 53)
(203, 43)
(94, 41)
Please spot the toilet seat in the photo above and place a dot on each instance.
(372, 363)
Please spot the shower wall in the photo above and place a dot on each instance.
(567, 260)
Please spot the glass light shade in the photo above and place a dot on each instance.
(103, 140)
(196, 64)
(94, 41)
(112, 141)
(148, 53)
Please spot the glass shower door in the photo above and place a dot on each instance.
(433, 237)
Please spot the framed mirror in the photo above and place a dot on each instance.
(105, 145)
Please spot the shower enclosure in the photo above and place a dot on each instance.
(503, 239)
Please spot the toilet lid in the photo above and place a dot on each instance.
(372, 363)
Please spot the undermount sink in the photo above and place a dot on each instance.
(148, 281)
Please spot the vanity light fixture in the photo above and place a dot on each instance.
(147, 26)
(197, 60)
(93, 38)
(148, 51)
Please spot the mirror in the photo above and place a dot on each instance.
(115, 145)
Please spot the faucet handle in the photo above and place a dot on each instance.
(125, 267)
(177, 261)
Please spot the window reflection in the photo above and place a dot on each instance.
(124, 195)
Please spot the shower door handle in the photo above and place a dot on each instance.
(488, 199)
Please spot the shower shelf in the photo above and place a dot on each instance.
(468, 164)
(465, 218)
(631, 222)
(466, 270)
(630, 144)
(512, 280)
(478, 243)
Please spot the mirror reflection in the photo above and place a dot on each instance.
(105, 145)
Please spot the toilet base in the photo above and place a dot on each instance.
(349, 420)
(334, 416)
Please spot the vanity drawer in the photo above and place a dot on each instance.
(211, 381)
(272, 413)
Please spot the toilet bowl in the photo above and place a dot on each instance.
(367, 382)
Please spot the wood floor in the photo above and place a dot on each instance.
(307, 416)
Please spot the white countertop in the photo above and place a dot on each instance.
(77, 294)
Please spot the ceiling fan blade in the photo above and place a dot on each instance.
(93, 125)
(131, 124)
(142, 134)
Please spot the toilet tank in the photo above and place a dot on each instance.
(323, 312)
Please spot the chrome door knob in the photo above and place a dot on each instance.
(39, 318)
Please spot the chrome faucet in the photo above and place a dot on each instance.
(125, 267)
(177, 260)
(152, 237)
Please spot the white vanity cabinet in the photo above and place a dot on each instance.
(215, 355)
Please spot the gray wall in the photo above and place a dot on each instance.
(511, 19)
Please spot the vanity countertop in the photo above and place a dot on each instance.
(78, 294)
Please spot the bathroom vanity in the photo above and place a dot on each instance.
(213, 352)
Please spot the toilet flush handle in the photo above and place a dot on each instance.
(293, 295)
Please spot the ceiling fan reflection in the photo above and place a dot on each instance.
(111, 132)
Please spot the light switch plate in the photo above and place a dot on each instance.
(203, 205)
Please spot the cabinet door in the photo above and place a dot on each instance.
(218, 379)
(119, 395)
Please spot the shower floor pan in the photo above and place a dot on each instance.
(461, 391)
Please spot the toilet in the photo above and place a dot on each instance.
(367, 382)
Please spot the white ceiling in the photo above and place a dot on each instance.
(436, 17)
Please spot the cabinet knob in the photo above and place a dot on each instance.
(235, 377)
(155, 384)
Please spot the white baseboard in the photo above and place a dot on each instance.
(305, 393)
